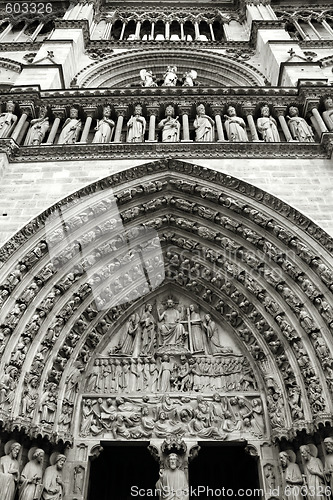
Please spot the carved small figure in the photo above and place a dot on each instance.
(300, 130)
(104, 127)
(170, 76)
(267, 126)
(329, 461)
(136, 126)
(328, 114)
(204, 126)
(71, 128)
(170, 126)
(38, 128)
(7, 120)
(147, 78)
(189, 77)
(235, 126)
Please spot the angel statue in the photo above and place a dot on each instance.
(170, 76)
(189, 77)
(148, 79)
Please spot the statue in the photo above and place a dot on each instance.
(292, 476)
(147, 78)
(9, 470)
(212, 333)
(170, 126)
(314, 471)
(38, 128)
(172, 484)
(136, 126)
(300, 130)
(54, 488)
(329, 461)
(189, 77)
(204, 126)
(7, 120)
(328, 114)
(31, 478)
(71, 128)
(267, 126)
(164, 375)
(8, 384)
(104, 127)
(235, 126)
(170, 76)
(172, 332)
(148, 330)
(127, 346)
(197, 335)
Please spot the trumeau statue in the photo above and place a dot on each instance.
(31, 477)
(235, 126)
(170, 126)
(136, 126)
(204, 126)
(300, 130)
(38, 128)
(7, 120)
(9, 470)
(71, 128)
(104, 127)
(172, 484)
(267, 126)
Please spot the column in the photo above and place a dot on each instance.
(321, 125)
(107, 31)
(327, 26)
(219, 127)
(122, 31)
(152, 30)
(280, 112)
(196, 30)
(299, 29)
(22, 133)
(152, 113)
(6, 31)
(137, 30)
(20, 123)
(21, 32)
(33, 37)
(87, 126)
(314, 30)
(249, 110)
(211, 32)
(167, 30)
(121, 113)
(315, 125)
(53, 132)
(185, 111)
(182, 34)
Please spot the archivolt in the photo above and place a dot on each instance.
(245, 256)
(123, 69)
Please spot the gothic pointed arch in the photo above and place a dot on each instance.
(77, 280)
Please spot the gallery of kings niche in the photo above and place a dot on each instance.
(166, 271)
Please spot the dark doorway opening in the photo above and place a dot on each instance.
(228, 466)
(122, 469)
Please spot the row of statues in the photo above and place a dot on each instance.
(170, 126)
(170, 78)
(123, 374)
(32, 483)
(317, 476)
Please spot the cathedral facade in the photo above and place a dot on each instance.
(166, 270)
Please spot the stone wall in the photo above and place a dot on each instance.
(29, 188)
